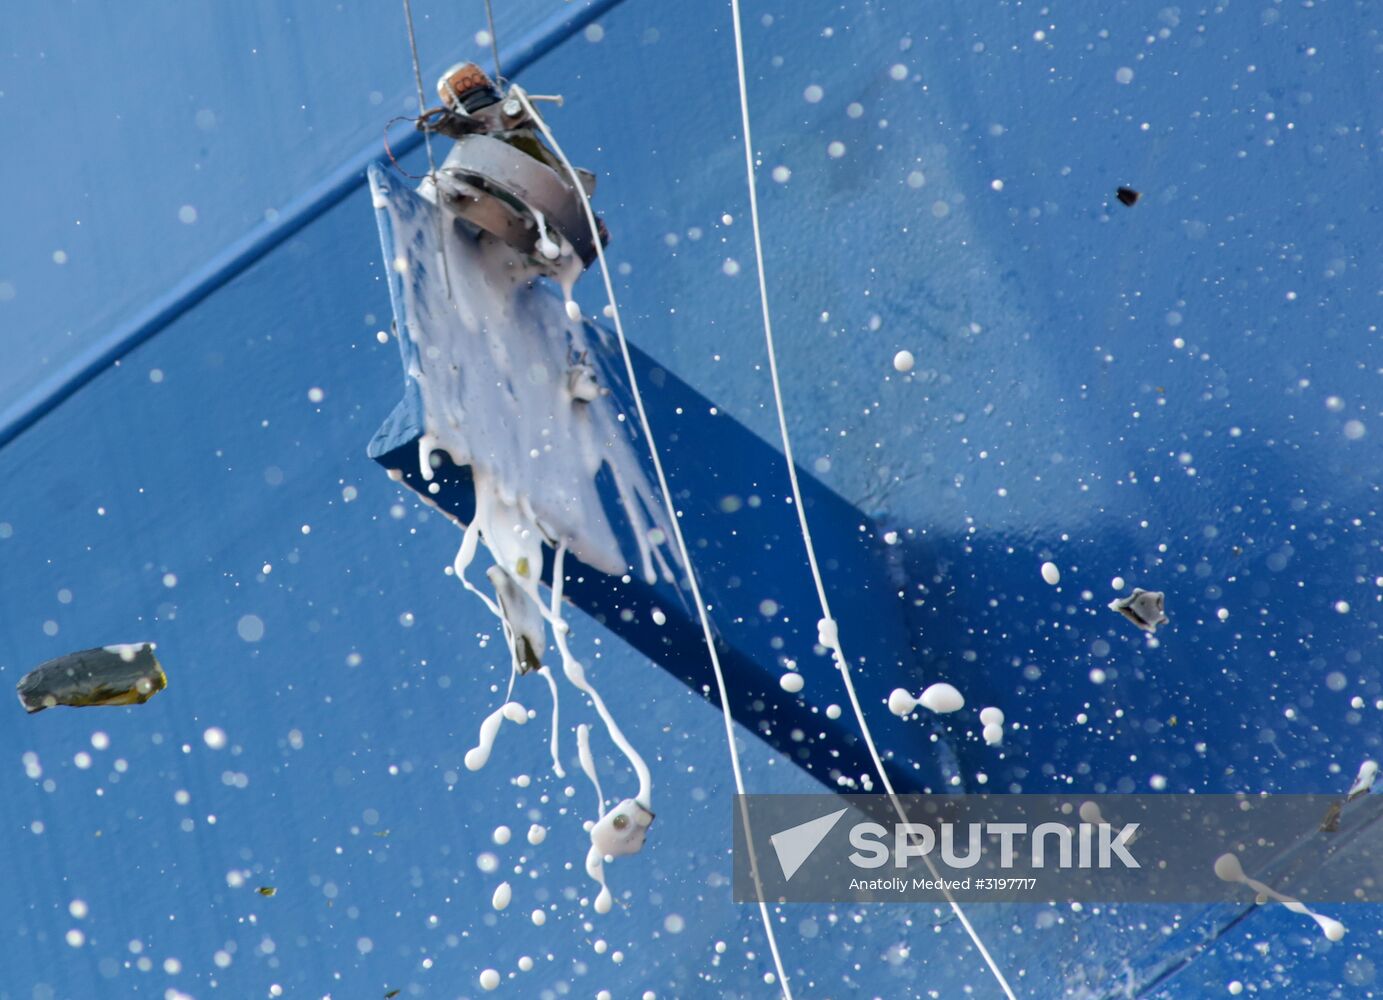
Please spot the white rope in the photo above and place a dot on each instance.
(831, 630)
(676, 531)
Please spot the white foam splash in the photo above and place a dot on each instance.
(509, 388)
(583, 751)
(479, 755)
(1228, 868)
(1363, 781)
(941, 698)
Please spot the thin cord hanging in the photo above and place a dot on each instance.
(494, 42)
(830, 630)
(676, 532)
(427, 141)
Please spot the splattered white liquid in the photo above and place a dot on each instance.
(901, 702)
(942, 698)
(993, 721)
(1228, 868)
(478, 756)
(511, 387)
(1363, 781)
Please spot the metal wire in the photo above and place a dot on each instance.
(427, 141)
(494, 42)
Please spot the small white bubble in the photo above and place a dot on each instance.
(1124, 74)
(187, 215)
(215, 738)
(791, 682)
(813, 94)
(251, 628)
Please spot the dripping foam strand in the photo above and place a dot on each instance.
(828, 627)
(683, 551)
(494, 366)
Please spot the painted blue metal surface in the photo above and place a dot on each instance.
(1179, 393)
(40, 379)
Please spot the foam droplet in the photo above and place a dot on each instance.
(942, 698)
(489, 979)
(1228, 869)
(1050, 573)
(992, 716)
(903, 361)
(827, 633)
(791, 682)
(573, 311)
(503, 894)
(901, 703)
